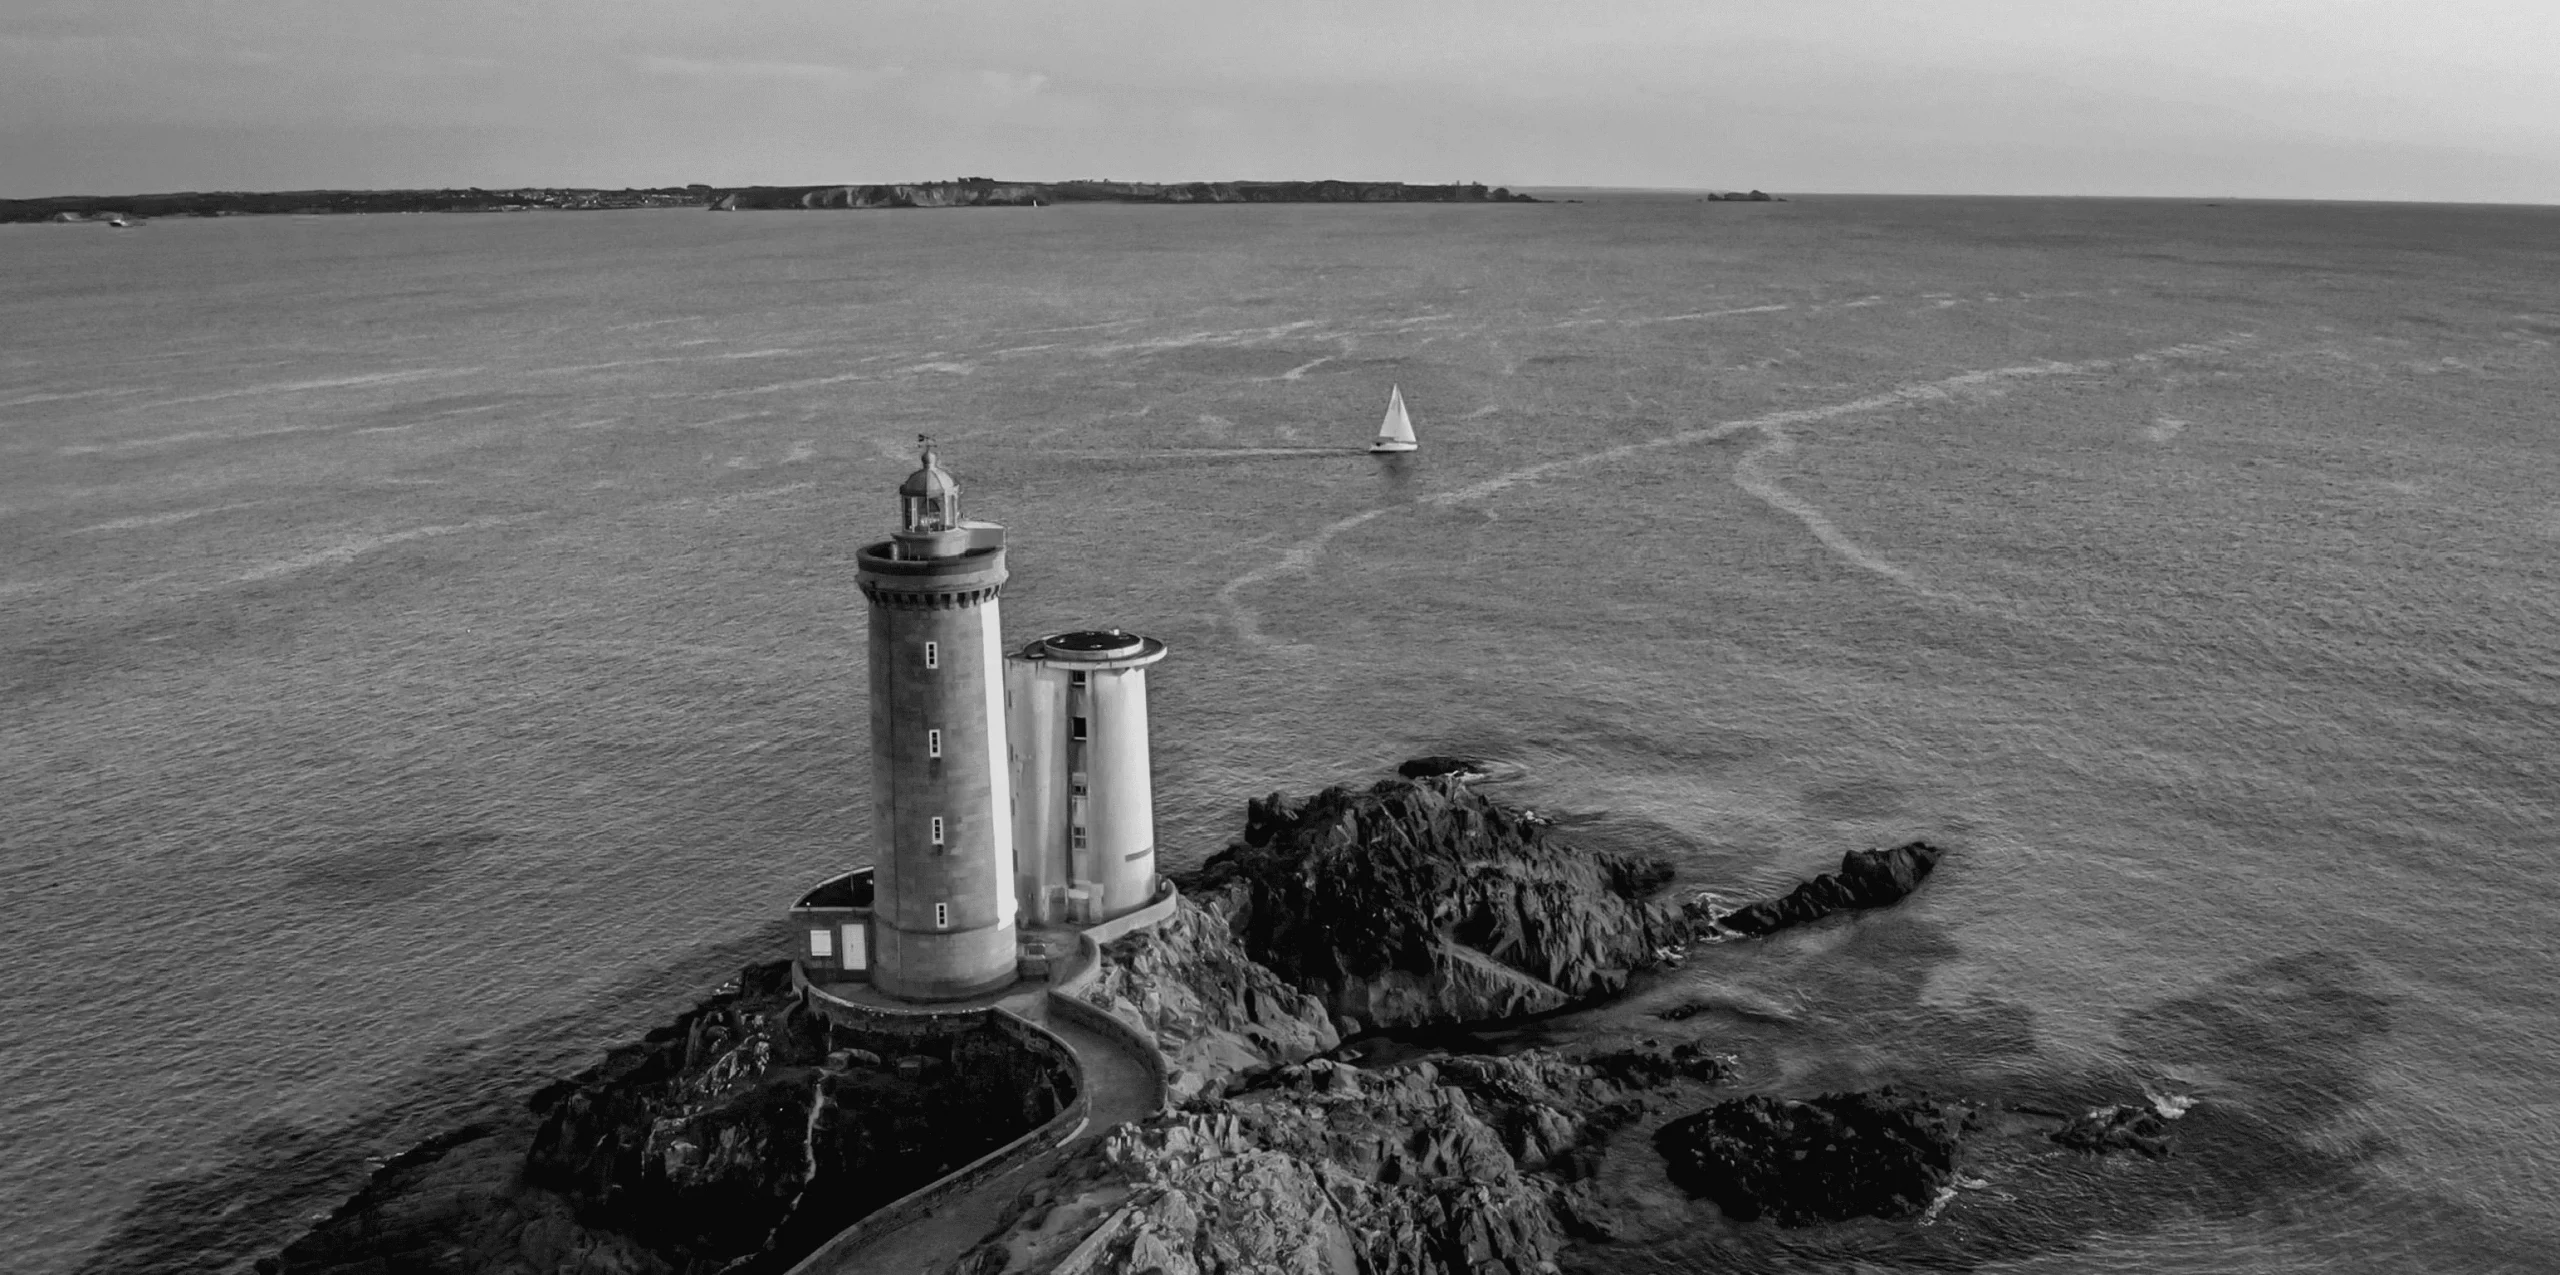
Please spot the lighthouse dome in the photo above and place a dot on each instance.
(932, 482)
(929, 505)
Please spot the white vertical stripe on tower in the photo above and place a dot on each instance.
(1000, 794)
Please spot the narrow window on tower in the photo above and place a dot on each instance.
(933, 743)
(1076, 839)
(942, 916)
(937, 830)
(933, 655)
(1076, 678)
(1075, 728)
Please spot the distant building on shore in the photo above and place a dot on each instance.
(1006, 789)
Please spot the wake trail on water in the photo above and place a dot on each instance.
(1749, 472)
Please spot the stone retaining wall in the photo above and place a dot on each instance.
(1137, 1044)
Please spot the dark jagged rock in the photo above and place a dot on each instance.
(728, 1136)
(1867, 879)
(737, 1140)
(1842, 1155)
(2142, 1127)
(455, 1205)
(1420, 901)
(1434, 766)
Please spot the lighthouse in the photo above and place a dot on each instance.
(944, 904)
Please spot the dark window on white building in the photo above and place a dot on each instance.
(937, 830)
(1075, 728)
(933, 655)
(933, 743)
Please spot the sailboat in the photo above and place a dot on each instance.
(1395, 433)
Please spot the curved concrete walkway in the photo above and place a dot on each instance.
(1121, 1089)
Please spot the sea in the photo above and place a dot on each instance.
(429, 655)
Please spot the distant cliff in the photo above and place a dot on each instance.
(965, 192)
(984, 192)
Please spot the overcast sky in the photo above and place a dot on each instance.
(2347, 99)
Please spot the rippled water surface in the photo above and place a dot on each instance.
(428, 653)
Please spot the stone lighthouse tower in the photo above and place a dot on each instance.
(942, 828)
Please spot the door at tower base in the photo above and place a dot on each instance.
(1084, 815)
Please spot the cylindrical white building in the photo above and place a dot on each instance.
(1084, 820)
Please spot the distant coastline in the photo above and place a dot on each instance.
(965, 192)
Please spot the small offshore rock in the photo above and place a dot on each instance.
(1867, 879)
(1436, 766)
(2142, 1127)
(1879, 1153)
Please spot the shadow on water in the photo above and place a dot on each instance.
(2284, 1041)
(1400, 473)
(276, 1178)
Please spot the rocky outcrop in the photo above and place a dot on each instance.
(1435, 766)
(456, 1205)
(1842, 1155)
(1867, 879)
(2142, 1127)
(1472, 1164)
(735, 1140)
(1215, 1015)
(758, 1128)
(1421, 901)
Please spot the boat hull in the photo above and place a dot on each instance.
(1391, 445)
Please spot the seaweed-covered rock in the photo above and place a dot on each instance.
(1842, 1155)
(1214, 1013)
(1867, 879)
(1422, 901)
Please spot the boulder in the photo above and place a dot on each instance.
(1421, 901)
(1880, 1153)
(1867, 879)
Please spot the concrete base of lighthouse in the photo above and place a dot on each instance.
(902, 953)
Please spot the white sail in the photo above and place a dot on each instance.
(1395, 433)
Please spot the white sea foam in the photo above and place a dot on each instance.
(349, 549)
